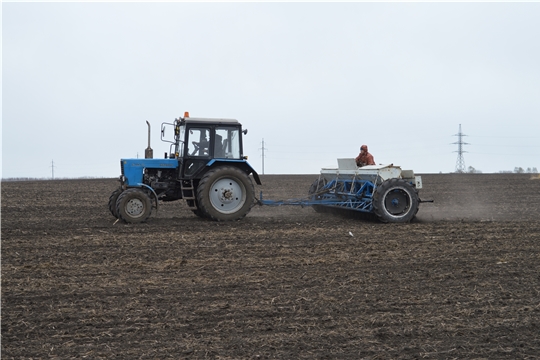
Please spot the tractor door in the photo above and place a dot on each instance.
(227, 143)
(197, 150)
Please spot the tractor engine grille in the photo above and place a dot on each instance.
(122, 166)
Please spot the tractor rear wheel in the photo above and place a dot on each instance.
(112, 201)
(134, 206)
(225, 194)
(395, 201)
(195, 207)
(199, 213)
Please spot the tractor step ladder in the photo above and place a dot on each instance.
(188, 194)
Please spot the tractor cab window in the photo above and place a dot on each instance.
(182, 132)
(198, 142)
(227, 143)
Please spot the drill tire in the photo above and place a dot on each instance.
(395, 201)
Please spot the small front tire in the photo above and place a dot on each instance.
(112, 201)
(134, 206)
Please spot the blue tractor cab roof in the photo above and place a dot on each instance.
(211, 121)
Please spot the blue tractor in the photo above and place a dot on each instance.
(205, 166)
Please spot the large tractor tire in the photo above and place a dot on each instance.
(199, 213)
(396, 201)
(196, 211)
(225, 194)
(314, 189)
(134, 206)
(112, 201)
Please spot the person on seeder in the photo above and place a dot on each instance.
(364, 158)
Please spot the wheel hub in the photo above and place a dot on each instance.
(135, 207)
(396, 202)
(227, 195)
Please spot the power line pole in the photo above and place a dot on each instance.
(460, 162)
(262, 155)
(52, 167)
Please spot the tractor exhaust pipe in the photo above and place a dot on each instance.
(148, 152)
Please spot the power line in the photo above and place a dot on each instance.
(460, 162)
(52, 167)
(262, 155)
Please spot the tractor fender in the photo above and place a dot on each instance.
(152, 191)
(241, 164)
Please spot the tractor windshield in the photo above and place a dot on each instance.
(227, 143)
(198, 142)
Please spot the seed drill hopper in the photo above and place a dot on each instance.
(385, 191)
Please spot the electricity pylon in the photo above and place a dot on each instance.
(52, 167)
(460, 162)
(262, 155)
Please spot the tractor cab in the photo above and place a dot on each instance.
(197, 141)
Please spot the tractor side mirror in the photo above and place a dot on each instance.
(245, 131)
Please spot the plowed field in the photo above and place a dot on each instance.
(461, 281)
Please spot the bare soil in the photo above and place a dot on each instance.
(461, 281)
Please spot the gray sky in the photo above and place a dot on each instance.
(315, 80)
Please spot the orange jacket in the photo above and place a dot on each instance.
(364, 158)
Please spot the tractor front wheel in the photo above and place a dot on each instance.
(395, 201)
(225, 194)
(112, 201)
(134, 206)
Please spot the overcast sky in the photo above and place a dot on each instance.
(315, 80)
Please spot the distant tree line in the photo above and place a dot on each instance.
(517, 170)
(472, 170)
(520, 170)
(56, 178)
